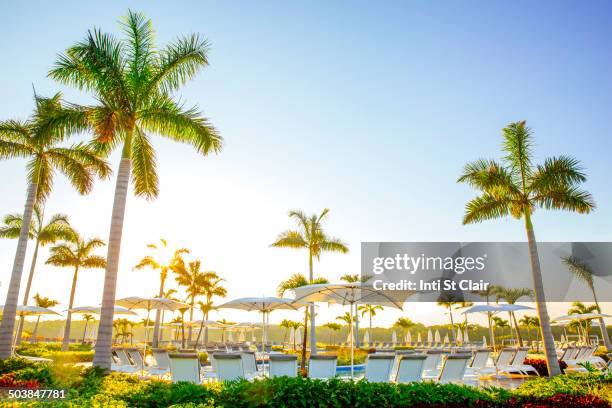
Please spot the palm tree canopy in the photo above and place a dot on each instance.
(77, 253)
(295, 281)
(369, 309)
(133, 81)
(403, 323)
(190, 276)
(58, 228)
(41, 301)
(581, 308)
(39, 139)
(333, 326)
(511, 295)
(580, 270)
(346, 317)
(515, 186)
(310, 235)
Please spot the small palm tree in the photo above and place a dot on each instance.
(501, 323)
(404, 324)
(77, 254)
(287, 325)
(168, 294)
(585, 274)
(346, 318)
(134, 83)
(41, 302)
(487, 294)
(515, 186)
(43, 234)
(88, 318)
(162, 260)
(585, 324)
(211, 287)
(295, 281)
(448, 301)
(310, 236)
(39, 140)
(371, 311)
(333, 328)
(194, 281)
(511, 296)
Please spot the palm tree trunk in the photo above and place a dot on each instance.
(66, 340)
(10, 305)
(190, 319)
(26, 295)
(313, 327)
(516, 329)
(102, 356)
(84, 331)
(156, 335)
(356, 326)
(450, 312)
(304, 341)
(602, 325)
(35, 332)
(538, 286)
(206, 331)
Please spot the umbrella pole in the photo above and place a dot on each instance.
(352, 346)
(144, 354)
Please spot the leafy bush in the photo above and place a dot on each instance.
(13, 364)
(540, 365)
(11, 380)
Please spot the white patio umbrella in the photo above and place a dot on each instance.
(98, 310)
(419, 338)
(430, 337)
(242, 336)
(408, 337)
(346, 294)
(230, 336)
(264, 305)
(490, 310)
(446, 340)
(437, 337)
(292, 335)
(31, 311)
(148, 304)
(466, 338)
(459, 336)
(484, 341)
(580, 316)
(298, 333)
(394, 337)
(510, 308)
(366, 337)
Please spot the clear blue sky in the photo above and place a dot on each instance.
(370, 109)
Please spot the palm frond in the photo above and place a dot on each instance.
(566, 198)
(140, 47)
(41, 172)
(580, 270)
(94, 261)
(486, 207)
(144, 166)
(290, 239)
(334, 245)
(518, 145)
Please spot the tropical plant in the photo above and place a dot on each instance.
(346, 318)
(583, 324)
(88, 318)
(39, 140)
(168, 294)
(584, 273)
(41, 301)
(295, 281)
(123, 330)
(211, 287)
(511, 296)
(333, 328)
(529, 322)
(498, 322)
(404, 324)
(77, 254)
(371, 311)
(486, 294)
(310, 236)
(55, 230)
(190, 276)
(134, 83)
(161, 259)
(448, 301)
(287, 325)
(515, 186)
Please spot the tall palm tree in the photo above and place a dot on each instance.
(352, 278)
(161, 259)
(371, 311)
(511, 296)
(211, 287)
(134, 83)
(581, 308)
(295, 281)
(310, 236)
(88, 318)
(515, 186)
(56, 229)
(333, 328)
(585, 274)
(41, 301)
(39, 140)
(77, 254)
(194, 281)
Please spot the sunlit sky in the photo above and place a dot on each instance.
(370, 109)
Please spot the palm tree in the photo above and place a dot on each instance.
(581, 308)
(333, 328)
(585, 274)
(39, 139)
(123, 329)
(448, 300)
(287, 325)
(515, 186)
(134, 82)
(404, 324)
(501, 323)
(76, 253)
(41, 302)
(211, 287)
(487, 294)
(353, 278)
(56, 229)
(161, 259)
(528, 322)
(168, 294)
(370, 310)
(87, 318)
(511, 296)
(194, 282)
(310, 236)
(295, 281)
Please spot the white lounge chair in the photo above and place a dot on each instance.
(517, 363)
(124, 364)
(322, 366)
(162, 362)
(378, 367)
(136, 356)
(282, 365)
(453, 368)
(410, 368)
(479, 361)
(229, 366)
(504, 358)
(249, 364)
(430, 366)
(185, 367)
